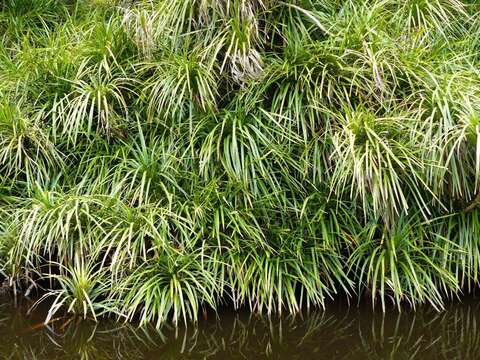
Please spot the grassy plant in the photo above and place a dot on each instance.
(177, 155)
(80, 290)
(172, 284)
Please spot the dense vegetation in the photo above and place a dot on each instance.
(158, 158)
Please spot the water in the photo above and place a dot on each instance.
(340, 332)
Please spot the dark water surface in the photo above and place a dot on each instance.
(339, 332)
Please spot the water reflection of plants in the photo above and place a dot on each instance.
(337, 334)
(66, 337)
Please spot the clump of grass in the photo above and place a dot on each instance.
(162, 157)
(175, 284)
(80, 290)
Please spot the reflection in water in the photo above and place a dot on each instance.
(338, 333)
